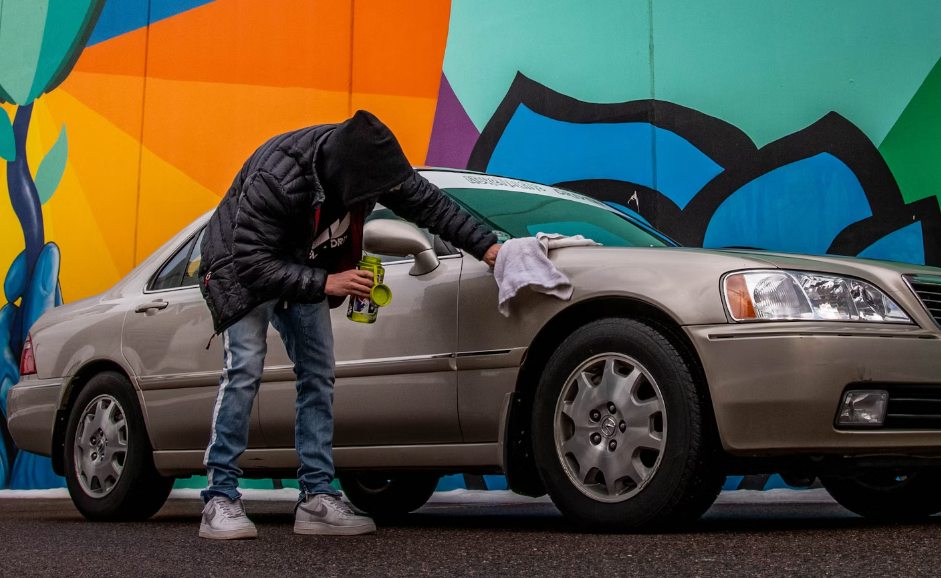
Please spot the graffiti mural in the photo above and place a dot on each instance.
(794, 126)
(39, 45)
(137, 114)
(823, 189)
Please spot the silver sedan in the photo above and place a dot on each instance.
(668, 370)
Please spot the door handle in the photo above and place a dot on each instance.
(155, 304)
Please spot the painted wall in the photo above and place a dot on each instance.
(789, 125)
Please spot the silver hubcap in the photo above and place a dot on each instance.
(100, 446)
(610, 427)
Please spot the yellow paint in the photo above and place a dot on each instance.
(169, 200)
(105, 161)
(86, 267)
(12, 243)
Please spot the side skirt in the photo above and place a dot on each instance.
(257, 462)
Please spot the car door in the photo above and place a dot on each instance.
(166, 331)
(396, 380)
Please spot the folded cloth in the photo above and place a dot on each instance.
(525, 263)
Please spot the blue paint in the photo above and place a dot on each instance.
(31, 471)
(541, 149)
(122, 16)
(15, 282)
(906, 245)
(495, 482)
(9, 365)
(448, 483)
(732, 482)
(42, 289)
(776, 482)
(800, 208)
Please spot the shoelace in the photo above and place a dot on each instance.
(232, 509)
(339, 504)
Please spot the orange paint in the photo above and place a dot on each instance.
(289, 43)
(148, 155)
(118, 98)
(208, 129)
(120, 55)
(399, 46)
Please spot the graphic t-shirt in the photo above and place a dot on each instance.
(333, 233)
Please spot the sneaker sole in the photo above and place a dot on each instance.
(240, 534)
(322, 529)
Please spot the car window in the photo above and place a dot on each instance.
(191, 275)
(171, 274)
(514, 214)
(441, 247)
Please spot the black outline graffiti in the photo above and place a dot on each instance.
(741, 160)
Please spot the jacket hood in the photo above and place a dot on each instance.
(361, 159)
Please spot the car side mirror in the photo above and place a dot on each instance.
(400, 239)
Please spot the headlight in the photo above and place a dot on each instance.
(797, 296)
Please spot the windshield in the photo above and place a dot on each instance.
(515, 213)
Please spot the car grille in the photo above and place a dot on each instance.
(928, 289)
(913, 407)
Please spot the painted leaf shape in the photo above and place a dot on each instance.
(40, 42)
(7, 143)
(52, 166)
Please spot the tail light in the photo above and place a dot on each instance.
(28, 359)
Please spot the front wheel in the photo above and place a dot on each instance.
(381, 494)
(109, 466)
(622, 433)
(888, 496)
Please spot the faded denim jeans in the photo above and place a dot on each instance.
(308, 337)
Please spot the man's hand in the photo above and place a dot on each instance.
(353, 282)
(490, 257)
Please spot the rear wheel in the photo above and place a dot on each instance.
(109, 467)
(622, 434)
(381, 494)
(889, 496)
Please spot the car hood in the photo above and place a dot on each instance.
(852, 266)
(686, 281)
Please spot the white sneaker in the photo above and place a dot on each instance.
(225, 519)
(328, 515)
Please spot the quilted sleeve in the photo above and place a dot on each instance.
(259, 242)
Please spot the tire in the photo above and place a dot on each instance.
(138, 491)
(675, 482)
(888, 495)
(388, 495)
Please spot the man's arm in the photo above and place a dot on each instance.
(258, 245)
(422, 203)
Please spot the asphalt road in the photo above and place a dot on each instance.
(49, 538)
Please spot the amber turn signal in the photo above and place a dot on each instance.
(739, 298)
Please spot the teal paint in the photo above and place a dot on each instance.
(773, 68)
(52, 166)
(597, 54)
(64, 20)
(21, 35)
(7, 142)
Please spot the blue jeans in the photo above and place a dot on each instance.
(308, 337)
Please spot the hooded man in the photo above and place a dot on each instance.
(268, 256)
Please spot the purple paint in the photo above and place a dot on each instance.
(453, 134)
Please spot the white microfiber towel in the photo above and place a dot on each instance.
(525, 263)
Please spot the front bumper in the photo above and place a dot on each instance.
(31, 412)
(776, 387)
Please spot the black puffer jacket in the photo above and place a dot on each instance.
(257, 242)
